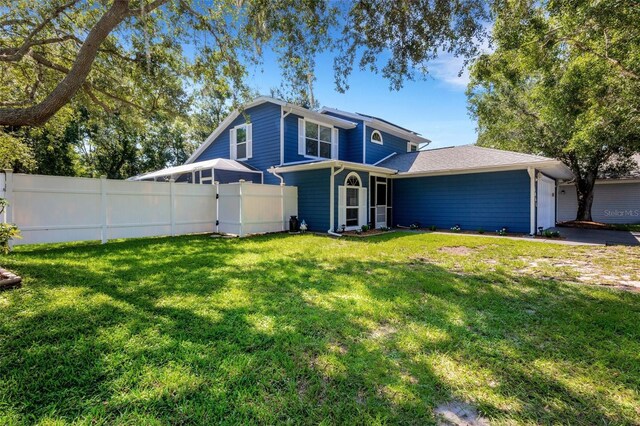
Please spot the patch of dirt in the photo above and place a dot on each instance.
(580, 271)
(457, 250)
(459, 413)
(383, 331)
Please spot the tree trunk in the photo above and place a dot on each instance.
(73, 81)
(584, 191)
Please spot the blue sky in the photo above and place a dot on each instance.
(435, 107)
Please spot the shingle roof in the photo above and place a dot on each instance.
(458, 158)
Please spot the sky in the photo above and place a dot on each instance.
(435, 107)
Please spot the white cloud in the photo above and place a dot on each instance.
(446, 69)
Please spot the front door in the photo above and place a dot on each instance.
(546, 202)
(381, 204)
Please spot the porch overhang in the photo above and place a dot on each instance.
(325, 164)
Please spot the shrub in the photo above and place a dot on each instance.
(480, 231)
(8, 231)
(384, 228)
(364, 228)
(456, 228)
(414, 225)
(432, 228)
(551, 234)
(502, 231)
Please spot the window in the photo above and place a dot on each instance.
(317, 140)
(352, 184)
(241, 142)
(376, 137)
(412, 147)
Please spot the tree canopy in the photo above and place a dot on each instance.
(563, 81)
(156, 66)
(141, 53)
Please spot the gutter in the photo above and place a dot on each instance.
(282, 117)
(273, 172)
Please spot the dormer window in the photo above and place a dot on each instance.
(376, 137)
(412, 147)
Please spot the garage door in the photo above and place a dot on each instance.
(546, 202)
(613, 202)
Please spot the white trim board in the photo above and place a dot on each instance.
(380, 125)
(546, 166)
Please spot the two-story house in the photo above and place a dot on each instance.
(354, 169)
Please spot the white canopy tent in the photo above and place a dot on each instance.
(201, 172)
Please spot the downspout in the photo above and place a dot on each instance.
(532, 201)
(332, 200)
(364, 143)
(282, 117)
(273, 172)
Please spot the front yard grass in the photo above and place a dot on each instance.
(307, 329)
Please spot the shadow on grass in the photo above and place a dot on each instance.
(276, 329)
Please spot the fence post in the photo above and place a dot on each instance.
(3, 192)
(8, 194)
(240, 206)
(217, 184)
(172, 200)
(103, 209)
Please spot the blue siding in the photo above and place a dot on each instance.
(291, 139)
(339, 181)
(350, 140)
(390, 144)
(229, 176)
(480, 200)
(265, 119)
(313, 196)
(291, 142)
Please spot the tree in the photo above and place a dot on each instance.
(124, 54)
(562, 82)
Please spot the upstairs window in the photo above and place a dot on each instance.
(376, 137)
(240, 142)
(316, 140)
(412, 147)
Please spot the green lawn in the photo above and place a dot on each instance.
(307, 329)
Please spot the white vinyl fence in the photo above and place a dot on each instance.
(51, 209)
(249, 208)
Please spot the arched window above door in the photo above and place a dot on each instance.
(352, 179)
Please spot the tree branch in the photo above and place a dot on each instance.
(74, 80)
(27, 43)
(13, 54)
(148, 8)
(87, 86)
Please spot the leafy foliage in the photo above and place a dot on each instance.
(563, 82)
(8, 231)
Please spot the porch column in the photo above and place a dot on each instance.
(532, 201)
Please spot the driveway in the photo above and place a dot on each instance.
(599, 236)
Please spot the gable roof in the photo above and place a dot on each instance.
(296, 109)
(381, 124)
(470, 158)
